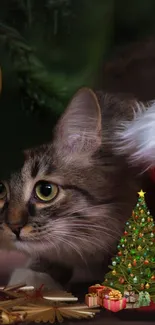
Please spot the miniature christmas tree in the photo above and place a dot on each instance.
(134, 266)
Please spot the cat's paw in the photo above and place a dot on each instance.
(32, 278)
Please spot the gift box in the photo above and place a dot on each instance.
(114, 305)
(133, 296)
(95, 288)
(144, 299)
(91, 299)
(115, 302)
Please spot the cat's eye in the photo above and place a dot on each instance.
(45, 191)
(3, 191)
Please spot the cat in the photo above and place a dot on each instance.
(68, 205)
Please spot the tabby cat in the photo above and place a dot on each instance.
(67, 207)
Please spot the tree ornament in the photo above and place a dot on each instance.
(135, 280)
(129, 266)
(153, 277)
(119, 253)
(148, 219)
(121, 280)
(139, 248)
(147, 286)
(114, 272)
(125, 233)
(143, 219)
(146, 262)
(136, 216)
(141, 211)
(132, 275)
(141, 194)
(134, 262)
(142, 286)
(141, 235)
(152, 235)
(114, 263)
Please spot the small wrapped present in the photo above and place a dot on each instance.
(95, 288)
(144, 299)
(115, 302)
(91, 299)
(133, 297)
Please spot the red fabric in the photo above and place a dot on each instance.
(147, 308)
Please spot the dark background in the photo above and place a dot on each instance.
(51, 48)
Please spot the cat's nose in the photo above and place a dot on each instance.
(16, 229)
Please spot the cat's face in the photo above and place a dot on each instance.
(65, 201)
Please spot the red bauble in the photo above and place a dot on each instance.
(146, 262)
(134, 262)
(136, 217)
(142, 286)
(125, 233)
(121, 280)
(119, 253)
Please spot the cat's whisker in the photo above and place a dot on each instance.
(74, 227)
(73, 247)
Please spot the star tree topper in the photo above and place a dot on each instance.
(141, 193)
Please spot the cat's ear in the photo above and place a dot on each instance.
(79, 129)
